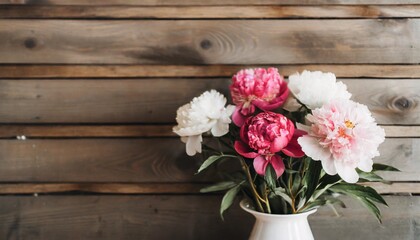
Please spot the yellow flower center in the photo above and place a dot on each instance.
(349, 124)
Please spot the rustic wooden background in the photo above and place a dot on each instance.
(94, 86)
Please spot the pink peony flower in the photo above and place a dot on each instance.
(261, 88)
(343, 136)
(266, 134)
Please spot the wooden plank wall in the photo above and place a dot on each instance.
(94, 86)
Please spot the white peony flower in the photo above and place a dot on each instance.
(315, 89)
(344, 136)
(204, 113)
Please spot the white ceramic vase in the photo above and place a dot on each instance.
(279, 226)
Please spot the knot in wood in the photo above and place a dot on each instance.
(205, 44)
(402, 103)
(30, 43)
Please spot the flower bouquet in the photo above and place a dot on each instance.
(297, 144)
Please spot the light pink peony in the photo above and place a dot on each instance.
(344, 136)
(259, 87)
(266, 134)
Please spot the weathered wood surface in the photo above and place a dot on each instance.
(208, 12)
(160, 188)
(209, 2)
(184, 217)
(128, 188)
(156, 100)
(95, 101)
(391, 101)
(150, 160)
(210, 42)
(91, 131)
(118, 71)
(97, 160)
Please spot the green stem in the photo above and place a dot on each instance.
(251, 183)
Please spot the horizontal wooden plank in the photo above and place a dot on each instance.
(155, 160)
(159, 188)
(95, 131)
(114, 188)
(184, 217)
(98, 160)
(96, 101)
(119, 71)
(396, 188)
(209, 2)
(76, 131)
(208, 12)
(156, 100)
(210, 41)
(391, 101)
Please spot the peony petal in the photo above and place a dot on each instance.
(244, 150)
(346, 172)
(302, 127)
(275, 103)
(278, 144)
(328, 166)
(220, 128)
(193, 144)
(313, 149)
(291, 104)
(260, 164)
(278, 165)
(237, 117)
(293, 149)
(365, 165)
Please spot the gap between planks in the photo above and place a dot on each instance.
(159, 188)
(206, 2)
(117, 131)
(115, 71)
(208, 12)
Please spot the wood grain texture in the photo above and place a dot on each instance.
(159, 188)
(75, 131)
(201, 42)
(98, 160)
(156, 100)
(391, 101)
(184, 217)
(95, 131)
(95, 101)
(209, 2)
(155, 160)
(119, 71)
(120, 188)
(207, 12)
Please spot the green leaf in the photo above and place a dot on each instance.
(282, 193)
(291, 171)
(311, 178)
(297, 180)
(359, 191)
(372, 208)
(270, 177)
(366, 195)
(316, 203)
(370, 177)
(211, 160)
(228, 199)
(218, 187)
(328, 180)
(319, 192)
(384, 167)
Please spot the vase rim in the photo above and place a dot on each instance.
(244, 202)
